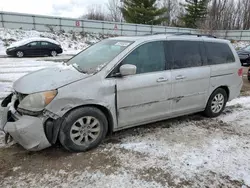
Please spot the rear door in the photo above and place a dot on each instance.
(190, 79)
(46, 47)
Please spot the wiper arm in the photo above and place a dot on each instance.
(78, 68)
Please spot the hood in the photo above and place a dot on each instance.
(243, 52)
(48, 79)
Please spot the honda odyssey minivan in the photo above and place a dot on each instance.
(119, 83)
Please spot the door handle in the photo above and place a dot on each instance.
(180, 77)
(162, 79)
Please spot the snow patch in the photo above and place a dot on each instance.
(71, 42)
(33, 39)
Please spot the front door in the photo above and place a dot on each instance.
(33, 49)
(190, 78)
(143, 97)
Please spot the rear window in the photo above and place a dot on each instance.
(218, 53)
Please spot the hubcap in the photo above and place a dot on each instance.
(19, 54)
(85, 130)
(217, 103)
(53, 53)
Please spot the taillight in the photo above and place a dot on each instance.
(240, 72)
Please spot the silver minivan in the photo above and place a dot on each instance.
(119, 83)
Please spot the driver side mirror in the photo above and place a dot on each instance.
(127, 69)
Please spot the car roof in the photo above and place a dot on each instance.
(206, 38)
(32, 39)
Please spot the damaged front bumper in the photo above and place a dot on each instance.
(26, 130)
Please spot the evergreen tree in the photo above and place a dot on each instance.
(142, 12)
(196, 11)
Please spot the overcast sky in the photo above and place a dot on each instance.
(64, 8)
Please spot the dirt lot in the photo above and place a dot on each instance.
(190, 151)
(246, 86)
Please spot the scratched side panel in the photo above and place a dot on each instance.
(190, 93)
(141, 98)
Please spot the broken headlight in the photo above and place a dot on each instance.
(36, 102)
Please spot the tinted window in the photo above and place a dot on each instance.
(149, 57)
(33, 44)
(218, 53)
(45, 43)
(186, 54)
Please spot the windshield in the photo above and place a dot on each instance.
(247, 48)
(95, 57)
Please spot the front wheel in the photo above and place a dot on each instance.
(216, 103)
(19, 54)
(83, 129)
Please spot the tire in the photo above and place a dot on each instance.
(212, 104)
(19, 53)
(75, 129)
(53, 53)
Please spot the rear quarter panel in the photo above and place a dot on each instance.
(227, 75)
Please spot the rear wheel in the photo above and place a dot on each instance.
(216, 103)
(53, 53)
(83, 129)
(19, 53)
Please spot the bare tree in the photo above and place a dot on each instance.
(246, 14)
(172, 10)
(114, 7)
(96, 12)
(228, 14)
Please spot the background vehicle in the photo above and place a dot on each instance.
(136, 80)
(34, 47)
(248, 74)
(244, 55)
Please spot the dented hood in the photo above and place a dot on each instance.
(48, 79)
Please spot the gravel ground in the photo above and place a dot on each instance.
(190, 151)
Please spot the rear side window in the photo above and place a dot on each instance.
(45, 43)
(33, 44)
(186, 54)
(218, 53)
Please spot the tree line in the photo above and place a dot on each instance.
(201, 14)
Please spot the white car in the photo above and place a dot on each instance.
(120, 83)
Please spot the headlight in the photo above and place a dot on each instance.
(37, 101)
(9, 49)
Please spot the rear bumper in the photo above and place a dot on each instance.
(28, 131)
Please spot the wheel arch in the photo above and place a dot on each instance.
(54, 131)
(103, 109)
(226, 88)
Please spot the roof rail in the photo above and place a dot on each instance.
(198, 35)
(185, 33)
(170, 32)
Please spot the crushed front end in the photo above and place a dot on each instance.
(25, 127)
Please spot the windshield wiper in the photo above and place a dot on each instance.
(78, 68)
